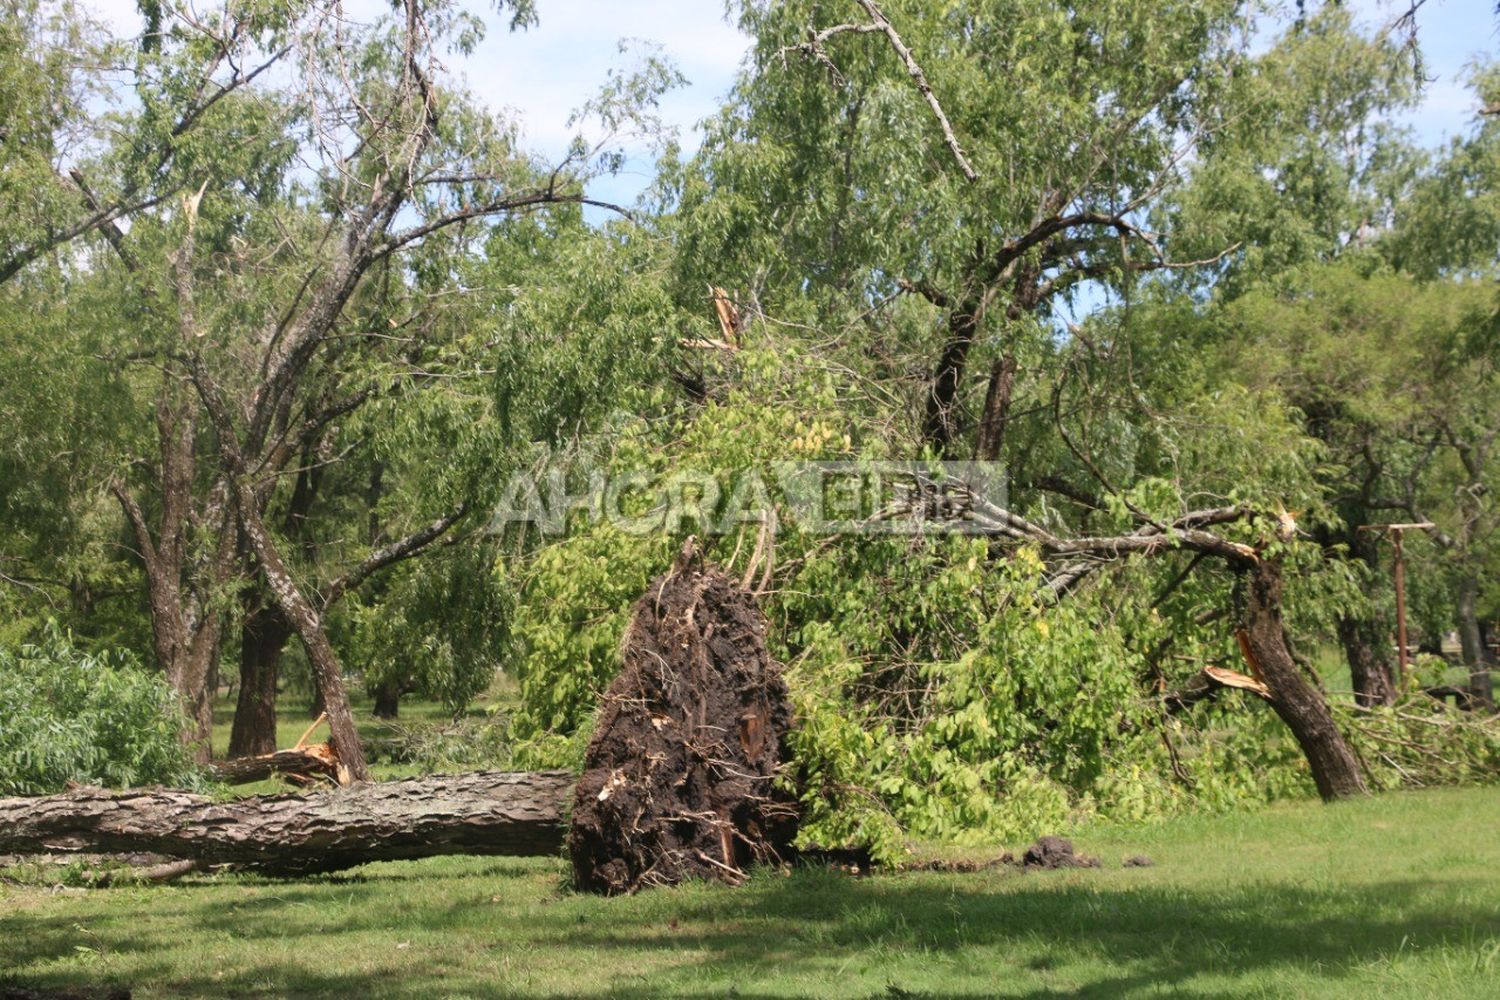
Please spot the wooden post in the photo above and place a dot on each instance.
(1395, 531)
(1400, 607)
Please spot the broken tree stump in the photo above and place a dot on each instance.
(679, 778)
(304, 765)
(487, 812)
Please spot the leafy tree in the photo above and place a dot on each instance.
(76, 716)
(1450, 224)
(1306, 165)
(1378, 364)
(440, 631)
(263, 299)
(830, 170)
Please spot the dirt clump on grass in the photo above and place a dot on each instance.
(679, 778)
(1046, 854)
(1055, 852)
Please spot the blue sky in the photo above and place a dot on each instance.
(544, 73)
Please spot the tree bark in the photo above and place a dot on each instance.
(185, 628)
(1300, 705)
(1470, 637)
(265, 631)
(387, 700)
(1369, 666)
(996, 415)
(941, 424)
(1487, 656)
(510, 813)
(1366, 641)
(302, 617)
(263, 636)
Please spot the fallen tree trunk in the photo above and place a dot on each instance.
(1300, 705)
(487, 812)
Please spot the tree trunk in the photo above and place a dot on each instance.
(263, 636)
(184, 648)
(512, 813)
(1487, 654)
(387, 700)
(1476, 657)
(305, 620)
(941, 425)
(996, 415)
(1300, 705)
(302, 764)
(198, 679)
(1369, 665)
(1366, 641)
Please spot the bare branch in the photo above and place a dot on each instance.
(920, 79)
(137, 522)
(403, 548)
(532, 200)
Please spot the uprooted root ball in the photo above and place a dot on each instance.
(679, 778)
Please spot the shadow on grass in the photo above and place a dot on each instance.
(1008, 935)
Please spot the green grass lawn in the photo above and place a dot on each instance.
(1393, 896)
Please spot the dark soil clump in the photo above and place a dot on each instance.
(1055, 852)
(1046, 854)
(960, 866)
(679, 776)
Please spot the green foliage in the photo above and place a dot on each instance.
(1421, 743)
(488, 743)
(439, 629)
(878, 194)
(575, 604)
(1335, 359)
(938, 696)
(1450, 224)
(1300, 163)
(69, 715)
(1038, 719)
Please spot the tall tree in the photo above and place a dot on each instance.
(316, 214)
(984, 160)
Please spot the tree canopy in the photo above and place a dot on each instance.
(290, 313)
